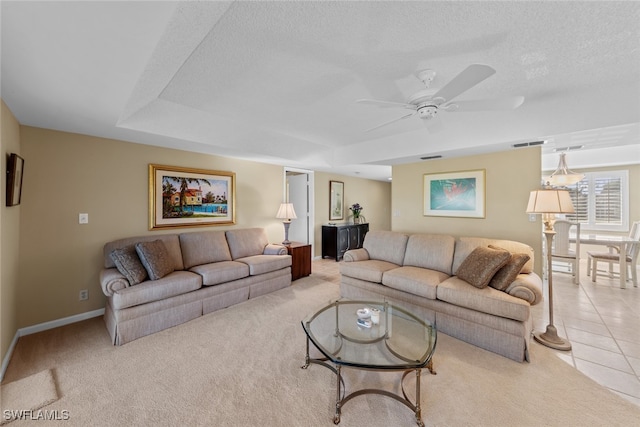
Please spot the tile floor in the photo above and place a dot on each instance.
(601, 320)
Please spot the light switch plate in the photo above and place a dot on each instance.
(83, 218)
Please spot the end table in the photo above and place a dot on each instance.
(300, 259)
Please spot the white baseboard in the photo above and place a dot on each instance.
(45, 327)
(7, 357)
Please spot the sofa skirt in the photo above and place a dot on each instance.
(128, 324)
(506, 337)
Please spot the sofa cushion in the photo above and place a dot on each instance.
(465, 245)
(432, 251)
(246, 242)
(155, 258)
(176, 283)
(221, 272)
(369, 270)
(414, 280)
(508, 273)
(481, 265)
(260, 264)
(128, 263)
(386, 246)
(204, 247)
(171, 242)
(486, 300)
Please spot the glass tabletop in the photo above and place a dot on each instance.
(369, 334)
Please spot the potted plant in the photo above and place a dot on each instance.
(357, 212)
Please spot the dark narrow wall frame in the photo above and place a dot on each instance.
(15, 169)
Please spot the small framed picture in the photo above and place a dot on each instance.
(336, 200)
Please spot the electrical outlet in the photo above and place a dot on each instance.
(84, 295)
(83, 218)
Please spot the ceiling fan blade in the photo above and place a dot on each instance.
(387, 104)
(471, 76)
(391, 121)
(507, 103)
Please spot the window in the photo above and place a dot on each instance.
(601, 201)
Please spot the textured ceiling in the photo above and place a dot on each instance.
(277, 81)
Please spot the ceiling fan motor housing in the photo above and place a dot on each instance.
(427, 112)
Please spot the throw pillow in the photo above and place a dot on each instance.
(481, 264)
(508, 273)
(155, 258)
(128, 264)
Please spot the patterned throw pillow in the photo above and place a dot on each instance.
(128, 264)
(481, 264)
(155, 258)
(508, 273)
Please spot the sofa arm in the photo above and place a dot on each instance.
(527, 287)
(360, 254)
(112, 281)
(272, 249)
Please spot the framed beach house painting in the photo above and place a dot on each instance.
(455, 194)
(187, 197)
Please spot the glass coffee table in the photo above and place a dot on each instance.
(373, 336)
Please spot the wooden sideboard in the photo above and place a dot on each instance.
(339, 238)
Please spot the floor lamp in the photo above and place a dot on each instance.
(287, 213)
(549, 202)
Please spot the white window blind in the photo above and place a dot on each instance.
(601, 201)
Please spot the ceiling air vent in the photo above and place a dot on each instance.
(430, 157)
(572, 148)
(528, 144)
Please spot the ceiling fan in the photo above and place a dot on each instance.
(426, 104)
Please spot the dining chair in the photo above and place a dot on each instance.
(562, 250)
(613, 257)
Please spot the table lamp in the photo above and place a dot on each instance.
(548, 202)
(287, 213)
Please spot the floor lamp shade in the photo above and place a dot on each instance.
(552, 201)
(287, 213)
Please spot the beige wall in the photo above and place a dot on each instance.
(374, 196)
(66, 174)
(9, 234)
(510, 176)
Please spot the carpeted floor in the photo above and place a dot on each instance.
(241, 367)
(27, 394)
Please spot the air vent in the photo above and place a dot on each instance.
(572, 148)
(430, 157)
(528, 144)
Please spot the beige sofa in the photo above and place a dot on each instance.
(151, 286)
(418, 271)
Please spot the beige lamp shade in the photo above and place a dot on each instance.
(551, 201)
(286, 211)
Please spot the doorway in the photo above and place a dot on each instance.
(298, 189)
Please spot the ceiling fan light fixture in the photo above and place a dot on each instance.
(562, 175)
(428, 112)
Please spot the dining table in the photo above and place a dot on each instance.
(621, 242)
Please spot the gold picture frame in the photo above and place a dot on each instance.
(189, 197)
(455, 194)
